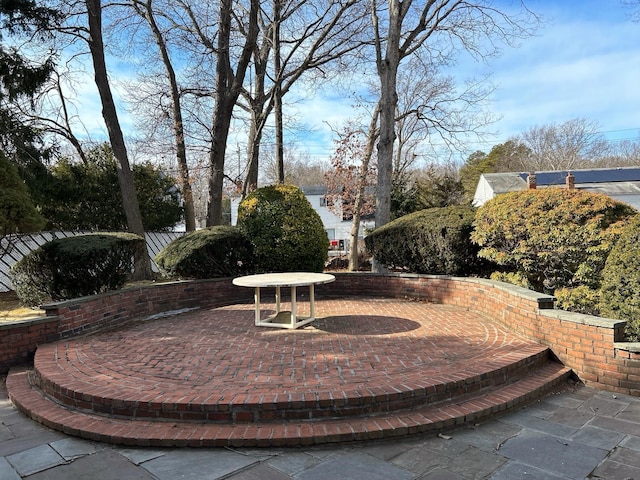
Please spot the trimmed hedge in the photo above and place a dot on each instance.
(554, 237)
(434, 241)
(620, 291)
(73, 267)
(220, 251)
(286, 232)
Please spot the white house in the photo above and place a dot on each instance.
(338, 230)
(621, 183)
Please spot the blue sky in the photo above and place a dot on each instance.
(584, 62)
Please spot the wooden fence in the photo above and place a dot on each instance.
(14, 247)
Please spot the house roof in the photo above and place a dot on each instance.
(598, 175)
(615, 182)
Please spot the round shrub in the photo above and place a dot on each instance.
(435, 240)
(72, 267)
(286, 232)
(220, 251)
(555, 237)
(620, 291)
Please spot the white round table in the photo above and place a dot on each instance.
(286, 279)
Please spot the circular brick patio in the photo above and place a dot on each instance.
(364, 358)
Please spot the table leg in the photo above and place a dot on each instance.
(256, 298)
(277, 300)
(293, 307)
(312, 313)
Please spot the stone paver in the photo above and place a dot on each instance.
(524, 444)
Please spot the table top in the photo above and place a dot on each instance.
(285, 279)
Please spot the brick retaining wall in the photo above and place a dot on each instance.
(591, 346)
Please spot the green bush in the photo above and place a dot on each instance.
(581, 299)
(555, 237)
(435, 240)
(73, 267)
(620, 291)
(221, 251)
(286, 232)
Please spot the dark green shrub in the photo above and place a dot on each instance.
(620, 291)
(74, 267)
(436, 241)
(554, 237)
(221, 251)
(286, 232)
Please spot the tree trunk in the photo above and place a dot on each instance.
(253, 152)
(372, 135)
(228, 87)
(277, 92)
(178, 125)
(143, 269)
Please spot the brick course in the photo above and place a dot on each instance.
(591, 346)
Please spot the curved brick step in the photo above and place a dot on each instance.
(103, 395)
(468, 408)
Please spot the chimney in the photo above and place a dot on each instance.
(531, 181)
(570, 181)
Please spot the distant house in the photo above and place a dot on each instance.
(623, 184)
(337, 226)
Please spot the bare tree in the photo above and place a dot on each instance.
(145, 9)
(351, 178)
(565, 146)
(228, 86)
(110, 115)
(314, 35)
(431, 29)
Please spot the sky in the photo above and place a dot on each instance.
(583, 62)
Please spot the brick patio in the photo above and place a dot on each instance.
(369, 368)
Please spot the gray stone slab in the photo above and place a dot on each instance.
(197, 464)
(72, 448)
(565, 400)
(293, 462)
(604, 406)
(541, 425)
(514, 470)
(141, 455)
(616, 425)
(7, 472)
(441, 475)
(553, 454)
(572, 417)
(104, 465)
(541, 409)
(388, 450)
(5, 433)
(488, 436)
(11, 417)
(442, 446)
(597, 437)
(354, 466)
(631, 442)
(476, 464)
(631, 413)
(259, 472)
(614, 470)
(35, 460)
(626, 457)
(421, 461)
